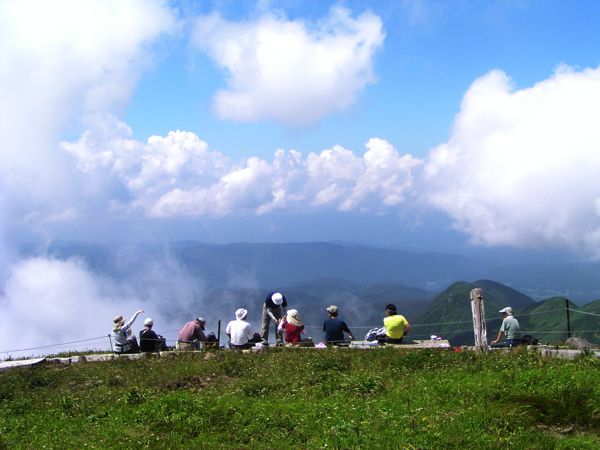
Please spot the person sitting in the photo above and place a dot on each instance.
(335, 328)
(211, 340)
(395, 324)
(149, 340)
(191, 335)
(238, 331)
(124, 342)
(292, 326)
(510, 329)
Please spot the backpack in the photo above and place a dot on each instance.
(529, 340)
(375, 334)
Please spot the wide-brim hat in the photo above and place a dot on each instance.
(241, 314)
(118, 322)
(294, 318)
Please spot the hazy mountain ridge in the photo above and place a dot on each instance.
(362, 306)
(361, 280)
(270, 264)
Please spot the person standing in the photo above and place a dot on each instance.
(335, 328)
(395, 324)
(191, 334)
(274, 308)
(510, 329)
(238, 330)
(124, 342)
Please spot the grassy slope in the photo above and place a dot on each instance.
(306, 399)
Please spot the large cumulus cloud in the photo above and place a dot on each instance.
(60, 61)
(177, 175)
(522, 165)
(290, 71)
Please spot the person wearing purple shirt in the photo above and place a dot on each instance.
(191, 334)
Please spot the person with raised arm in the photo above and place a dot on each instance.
(123, 340)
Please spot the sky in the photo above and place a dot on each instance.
(437, 123)
(441, 125)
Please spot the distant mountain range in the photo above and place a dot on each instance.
(272, 264)
(428, 288)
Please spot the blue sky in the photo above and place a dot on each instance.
(435, 124)
(432, 52)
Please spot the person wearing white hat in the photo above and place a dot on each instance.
(510, 329)
(149, 340)
(274, 308)
(238, 330)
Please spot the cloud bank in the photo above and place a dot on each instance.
(290, 71)
(176, 175)
(59, 62)
(522, 165)
(519, 168)
(47, 301)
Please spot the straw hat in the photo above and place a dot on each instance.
(118, 322)
(294, 318)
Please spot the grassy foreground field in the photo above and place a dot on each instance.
(296, 398)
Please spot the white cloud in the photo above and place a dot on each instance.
(522, 166)
(177, 175)
(287, 70)
(60, 61)
(49, 302)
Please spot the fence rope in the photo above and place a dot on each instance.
(53, 345)
(362, 327)
(583, 312)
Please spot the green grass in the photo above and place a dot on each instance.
(296, 398)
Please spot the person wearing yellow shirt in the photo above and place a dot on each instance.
(395, 324)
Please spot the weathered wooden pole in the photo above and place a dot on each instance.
(219, 335)
(479, 325)
(568, 318)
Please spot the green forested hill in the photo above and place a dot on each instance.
(546, 320)
(449, 314)
(588, 325)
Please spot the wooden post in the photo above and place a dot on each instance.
(219, 334)
(479, 325)
(111, 346)
(568, 318)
